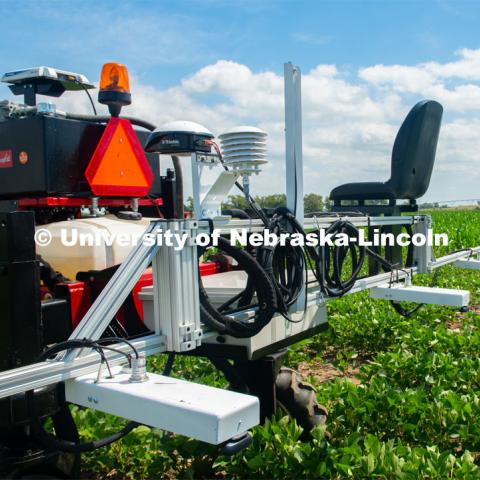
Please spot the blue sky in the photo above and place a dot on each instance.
(165, 42)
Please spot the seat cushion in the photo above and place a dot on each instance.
(362, 191)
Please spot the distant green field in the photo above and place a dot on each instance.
(403, 397)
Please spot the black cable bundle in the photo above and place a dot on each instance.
(330, 260)
(284, 264)
(258, 282)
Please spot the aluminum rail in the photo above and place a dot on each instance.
(445, 260)
(41, 374)
(46, 373)
(256, 225)
(316, 297)
(117, 289)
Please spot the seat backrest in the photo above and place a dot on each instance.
(414, 150)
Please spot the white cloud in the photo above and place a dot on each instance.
(402, 78)
(350, 122)
(445, 82)
(466, 68)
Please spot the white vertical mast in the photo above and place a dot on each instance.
(293, 139)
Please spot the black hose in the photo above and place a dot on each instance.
(331, 259)
(167, 369)
(258, 281)
(106, 118)
(237, 213)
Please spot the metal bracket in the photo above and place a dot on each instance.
(211, 204)
(208, 197)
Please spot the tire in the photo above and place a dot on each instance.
(298, 399)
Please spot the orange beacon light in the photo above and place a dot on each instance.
(114, 87)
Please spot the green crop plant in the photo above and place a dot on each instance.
(404, 403)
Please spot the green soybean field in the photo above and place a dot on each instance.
(403, 396)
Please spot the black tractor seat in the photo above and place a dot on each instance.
(413, 156)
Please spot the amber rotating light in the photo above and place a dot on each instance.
(114, 88)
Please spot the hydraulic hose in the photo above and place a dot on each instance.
(330, 260)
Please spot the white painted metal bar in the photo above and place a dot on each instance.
(209, 414)
(468, 252)
(412, 293)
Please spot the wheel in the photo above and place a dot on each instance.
(285, 390)
(298, 399)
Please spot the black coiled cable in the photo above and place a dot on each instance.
(258, 283)
(285, 263)
(330, 260)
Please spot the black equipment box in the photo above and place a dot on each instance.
(47, 156)
(20, 337)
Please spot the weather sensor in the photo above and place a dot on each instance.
(244, 149)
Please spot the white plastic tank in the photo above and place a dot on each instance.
(79, 253)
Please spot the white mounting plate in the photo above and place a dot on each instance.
(435, 296)
(208, 414)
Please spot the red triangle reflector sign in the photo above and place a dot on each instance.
(119, 166)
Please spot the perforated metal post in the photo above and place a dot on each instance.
(423, 255)
(175, 292)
